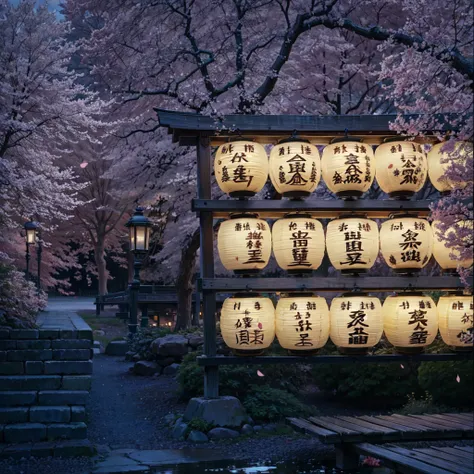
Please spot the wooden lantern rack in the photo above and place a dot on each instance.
(203, 132)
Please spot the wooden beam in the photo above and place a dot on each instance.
(332, 359)
(317, 208)
(333, 284)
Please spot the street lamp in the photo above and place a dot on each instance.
(31, 229)
(139, 228)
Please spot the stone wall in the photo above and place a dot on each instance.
(45, 380)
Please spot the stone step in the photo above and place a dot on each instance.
(60, 448)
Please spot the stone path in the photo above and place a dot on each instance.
(61, 320)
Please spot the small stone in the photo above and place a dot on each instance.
(222, 433)
(247, 429)
(257, 428)
(117, 348)
(145, 367)
(197, 437)
(195, 341)
(172, 345)
(169, 419)
(96, 344)
(270, 427)
(98, 332)
(129, 355)
(165, 361)
(135, 357)
(179, 431)
(171, 369)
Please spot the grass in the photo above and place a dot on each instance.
(113, 327)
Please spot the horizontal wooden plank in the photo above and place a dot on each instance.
(468, 449)
(469, 417)
(462, 454)
(438, 462)
(385, 433)
(324, 435)
(404, 464)
(446, 425)
(331, 284)
(453, 458)
(369, 434)
(464, 425)
(329, 359)
(322, 209)
(347, 435)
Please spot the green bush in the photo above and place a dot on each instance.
(440, 380)
(272, 404)
(420, 406)
(199, 424)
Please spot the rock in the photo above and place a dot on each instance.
(129, 355)
(117, 348)
(165, 361)
(136, 357)
(270, 427)
(171, 369)
(98, 332)
(197, 437)
(222, 433)
(223, 411)
(169, 419)
(247, 429)
(179, 431)
(173, 345)
(97, 344)
(143, 367)
(195, 341)
(257, 428)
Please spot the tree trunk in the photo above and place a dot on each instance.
(184, 285)
(101, 269)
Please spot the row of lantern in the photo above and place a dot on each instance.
(355, 322)
(407, 243)
(347, 166)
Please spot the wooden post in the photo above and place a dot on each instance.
(211, 376)
(346, 458)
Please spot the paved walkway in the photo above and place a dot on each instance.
(56, 319)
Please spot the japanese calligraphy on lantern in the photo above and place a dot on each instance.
(241, 168)
(298, 243)
(352, 243)
(406, 243)
(356, 322)
(401, 167)
(410, 320)
(295, 168)
(348, 168)
(456, 320)
(302, 322)
(248, 324)
(244, 243)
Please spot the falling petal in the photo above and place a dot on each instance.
(260, 374)
(402, 366)
(260, 326)
(458, 379)
(83, 164)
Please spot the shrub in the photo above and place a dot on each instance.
(272, 404)
(440, 380)
(420, 406)
(142, 340)
(199, 424)
(19, 302)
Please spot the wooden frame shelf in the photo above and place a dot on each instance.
(332, 284)
(318, 209)
(331, 359)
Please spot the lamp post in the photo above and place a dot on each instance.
(139, 228)
(31, 229)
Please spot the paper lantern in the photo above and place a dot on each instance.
(295, 168)
(302, 323)
(244, 243)
(348, 168)
(248, 324)
(410, 322)
(446, 256)
(352, 244)
(298, 243)
(241, 168)
(356, 323)
(438, 163)
(406, 243)
(400, 168)
(456, 321)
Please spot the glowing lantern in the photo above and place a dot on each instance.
(356, 323)
(295, 167)
(352, 244)
(298, 243)
(244, 243)
(456, 321)
(241, 168)
(406, 243)
(410, 321)
(438, 163)
(248, 324)
(348, 168)
(400, 168)
(302, 323)
(442, 254)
